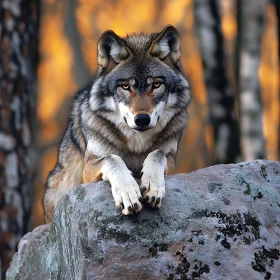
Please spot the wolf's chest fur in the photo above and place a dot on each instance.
(133, 148)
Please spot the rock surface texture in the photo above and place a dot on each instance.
(221, 222)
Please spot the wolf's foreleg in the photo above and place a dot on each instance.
(112, 168)
(152, 181)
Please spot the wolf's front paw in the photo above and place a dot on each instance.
(152, 188)
(127, 196)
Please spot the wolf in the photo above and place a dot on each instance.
(126, 124)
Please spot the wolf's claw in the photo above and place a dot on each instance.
(153, 189)
(127, 196)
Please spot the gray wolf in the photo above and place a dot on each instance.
(127, 124)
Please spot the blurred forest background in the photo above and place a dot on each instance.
(230, 55)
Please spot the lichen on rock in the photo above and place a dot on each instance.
(209, 227)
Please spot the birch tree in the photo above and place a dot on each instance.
(250, 22)
(277, 7)
(18, 27)
(220, 94)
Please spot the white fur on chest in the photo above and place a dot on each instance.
(139, 142)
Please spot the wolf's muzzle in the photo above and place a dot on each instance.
(142, 120)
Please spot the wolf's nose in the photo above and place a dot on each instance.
(142, 120)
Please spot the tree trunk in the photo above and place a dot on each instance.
(277, 7)
(220, 94)
(18, 27)
(250, 22)
(81, 72)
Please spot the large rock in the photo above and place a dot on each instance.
(221, 222)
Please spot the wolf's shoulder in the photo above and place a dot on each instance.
(82, 93)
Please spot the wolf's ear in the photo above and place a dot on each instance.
(112, 46)
(167, 42)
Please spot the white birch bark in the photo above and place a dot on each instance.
(250, 30)
(219, 91)
(277, 8)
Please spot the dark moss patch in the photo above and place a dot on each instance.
(258, 196)
(119, 236)
(243, 225)
(183, 266)
(185, 271)
(162, 247)
(247, 240)
(199, 269)
(153, 251)
(264, 258)
(248, 190)
(251, 221)
(225, 243)
(267, 276)
(217, 263)
(114, 232)
(213, 186)
(264, 174)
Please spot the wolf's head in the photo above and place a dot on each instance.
(139, 80)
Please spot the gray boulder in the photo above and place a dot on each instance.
(221, 222)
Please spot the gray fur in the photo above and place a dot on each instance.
(95, 115)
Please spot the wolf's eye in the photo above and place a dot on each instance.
(125, 86)
(156, 84)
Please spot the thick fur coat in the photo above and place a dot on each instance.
(127, 123)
